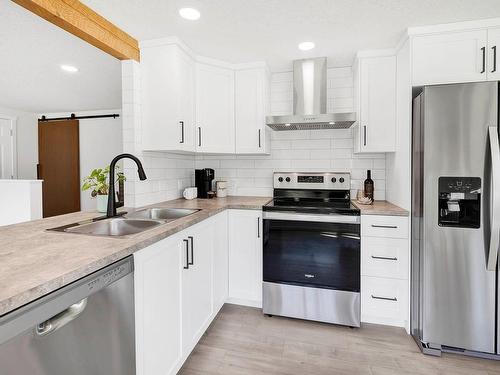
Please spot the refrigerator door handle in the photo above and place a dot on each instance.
(495, 209)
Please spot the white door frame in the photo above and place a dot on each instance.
(13, 127)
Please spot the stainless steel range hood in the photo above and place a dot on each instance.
(309, 101)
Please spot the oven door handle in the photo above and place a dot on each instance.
(341, 235)
(294, 216)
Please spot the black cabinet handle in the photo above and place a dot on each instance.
(384, 258)
(187, 254)
(364, 135)
(199, 136)
(259, 139)
(394, 299)
(483, 49)
(182, 131)
(192, 251)
(258, 227)
(494, 48)
(385, 226)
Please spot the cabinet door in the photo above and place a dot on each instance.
(449, 58)
(214, 109)
(167, 98)
(220, 260)
(196, 284)
(377, 104)
(494, 54)
(245, 257)
(186, 69)
(157, 280)
(250, 111)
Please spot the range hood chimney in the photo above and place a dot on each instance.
(309, 101)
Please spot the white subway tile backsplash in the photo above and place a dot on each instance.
(310, 144)
(321, 154)
(342, 143)
(237, 163)
(291, 154)
(280, 145)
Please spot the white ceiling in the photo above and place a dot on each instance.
(248, 30)
(31, 50)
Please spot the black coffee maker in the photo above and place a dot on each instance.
(203, 181)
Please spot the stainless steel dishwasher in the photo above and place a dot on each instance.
(85, 328)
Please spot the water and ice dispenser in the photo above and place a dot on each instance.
(459, 202)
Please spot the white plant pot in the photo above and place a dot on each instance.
(102, 203)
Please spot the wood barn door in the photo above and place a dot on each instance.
(59, 166)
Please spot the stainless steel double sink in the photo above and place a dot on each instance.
(129, 223)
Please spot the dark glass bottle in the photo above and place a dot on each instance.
(369, 185)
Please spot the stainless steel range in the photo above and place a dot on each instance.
(312, 249)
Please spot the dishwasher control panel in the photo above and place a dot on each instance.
(109, 277)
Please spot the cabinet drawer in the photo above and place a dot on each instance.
(384, 257)
(384, 226)
(384, 301)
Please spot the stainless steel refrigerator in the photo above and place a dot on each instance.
(456, 219)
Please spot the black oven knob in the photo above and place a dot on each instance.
(341, 180)
(287, 179)
(280, 179)
(334, 180)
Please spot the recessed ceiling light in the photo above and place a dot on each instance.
(287, 125)
(190, 13)
(306, 46)
(69, 68)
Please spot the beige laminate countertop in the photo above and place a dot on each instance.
(381, 208)
(35, 262)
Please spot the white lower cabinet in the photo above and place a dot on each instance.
(221, 261)
(196, 283)
(180, 285)
(157, 277)
(245, 257)
(384, 270)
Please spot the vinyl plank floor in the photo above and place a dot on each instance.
(241, 340)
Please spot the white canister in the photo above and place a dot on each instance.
(190, 192)
(221, 189)
(102, 203)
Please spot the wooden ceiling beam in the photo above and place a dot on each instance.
(81, 21)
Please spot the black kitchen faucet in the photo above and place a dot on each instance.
(111, 193)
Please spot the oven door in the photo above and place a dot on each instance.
(320, 251)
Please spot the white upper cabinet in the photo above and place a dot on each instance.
(494, 54)
(167, 97)
(251, 107)
(450, 57)
(375, 94)
(215, 131)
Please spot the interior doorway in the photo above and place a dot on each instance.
(59, 166)
(7, 148)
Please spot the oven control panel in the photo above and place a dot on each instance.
(318, 181)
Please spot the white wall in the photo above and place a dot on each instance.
(26, 143)
(315, 150)
(168, 174)
(100, 142)
(398, 166)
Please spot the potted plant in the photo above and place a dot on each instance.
(98, 182)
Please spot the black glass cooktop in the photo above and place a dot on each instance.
(305, 205)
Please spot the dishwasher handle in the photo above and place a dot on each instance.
(60, 320)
